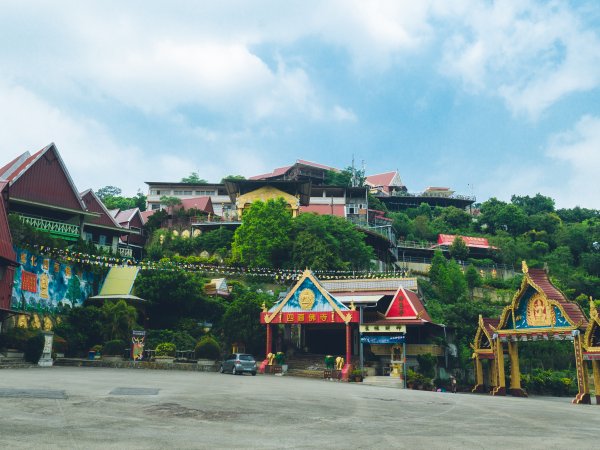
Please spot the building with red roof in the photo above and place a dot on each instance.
(133, 240)
(43, 194)
(7, 254)
(385, 183)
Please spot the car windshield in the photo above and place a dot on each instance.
(246, 358)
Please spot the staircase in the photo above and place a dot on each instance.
(13, 359)
(308, 365)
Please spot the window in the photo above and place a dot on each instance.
(155, 206)
(205, 193)
(177, 192)
(187, 192)
(102, 239)
(88, 237)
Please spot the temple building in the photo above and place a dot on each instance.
(7, 256)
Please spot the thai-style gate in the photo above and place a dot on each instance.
(538, 311)
(591, 349)
(310, 305)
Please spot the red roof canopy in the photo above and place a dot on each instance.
(475, 242)
(325, 210)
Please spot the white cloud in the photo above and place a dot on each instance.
(577, 151)
(529, 54)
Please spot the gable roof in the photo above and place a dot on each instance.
(538, 280)
(7, 253)
(42, 178)
(384, 179)
(276, 172)
(146, 215)
(406, 305)
(322, 301)
(126, 215)
(200, 203)
(94, 204)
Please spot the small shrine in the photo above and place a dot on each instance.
(308, 303)
(591, 351)
(538, 311)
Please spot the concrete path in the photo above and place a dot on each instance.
(67, 407)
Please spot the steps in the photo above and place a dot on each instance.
(385, 381)
(14, 360)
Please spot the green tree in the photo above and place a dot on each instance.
(233, 178)
(120, 318)
(193, 178)
(173, 295)
(241, 321)
(263, 238)
(108, 191)
(533, 205)
(458, 249)
(73, 290)
(473, 279)
(328, 242)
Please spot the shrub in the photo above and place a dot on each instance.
(97, 348)
(549, 382)
(427, 365)
(59, 345)
(17, 338)
(208, 348)
(33, 348)
(165, 349)
(280, 358)
(181, 339)
(115, 347)
(418, 381)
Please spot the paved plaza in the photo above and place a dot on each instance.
(68, 407)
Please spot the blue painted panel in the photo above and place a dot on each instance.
(43, 284)
(320, 305)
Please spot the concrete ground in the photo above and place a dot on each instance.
(70, 407)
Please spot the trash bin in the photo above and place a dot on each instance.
(91, 354)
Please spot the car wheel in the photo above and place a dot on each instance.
(221, 369)
(253, 374)
(234, 371)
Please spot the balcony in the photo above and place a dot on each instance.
(125, 252)
(55, 228)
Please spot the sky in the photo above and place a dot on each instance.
(489, 98)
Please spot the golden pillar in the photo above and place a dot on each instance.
(596, 371)
(493, 373)
(500, 388)
(478, 374)
(515, 372)
(583, 394)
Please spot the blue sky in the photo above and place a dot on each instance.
(487, 98)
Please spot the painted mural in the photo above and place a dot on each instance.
(44, 284)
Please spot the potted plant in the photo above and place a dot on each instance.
(357, 375)
(165, 352)
(280, 361)
(113, 350)
(207, 351)
(59, 346)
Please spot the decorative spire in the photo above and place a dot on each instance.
(524, 267)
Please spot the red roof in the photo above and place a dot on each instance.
(381, 179)
(94, 204)
(406, 305)
(475, 242)
(125, 216)
(489, 324)
(42, 178)
(7, 252)
(276, 172)
(540, 278)
(313, 164)
(146, 214)
(200, 203)
(325, 210)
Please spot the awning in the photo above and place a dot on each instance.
(382, 339)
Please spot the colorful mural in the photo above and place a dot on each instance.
(44, 284)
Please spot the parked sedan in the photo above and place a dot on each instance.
(238, 363)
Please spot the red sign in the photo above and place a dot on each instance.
(28, 281)
(311, 317)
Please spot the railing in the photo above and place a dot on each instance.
(417, 244)
(463, 264)
(441, 194)
(125, 252)
(65, 230)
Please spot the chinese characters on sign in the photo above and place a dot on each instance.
(28, 281)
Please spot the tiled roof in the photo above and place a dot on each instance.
(488, 323)
(385, 285)
(325, 210)
(475, 242)
(540, 278)
(313, 164)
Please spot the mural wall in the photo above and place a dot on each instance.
(44, 284)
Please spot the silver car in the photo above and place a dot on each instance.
(238, 363)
